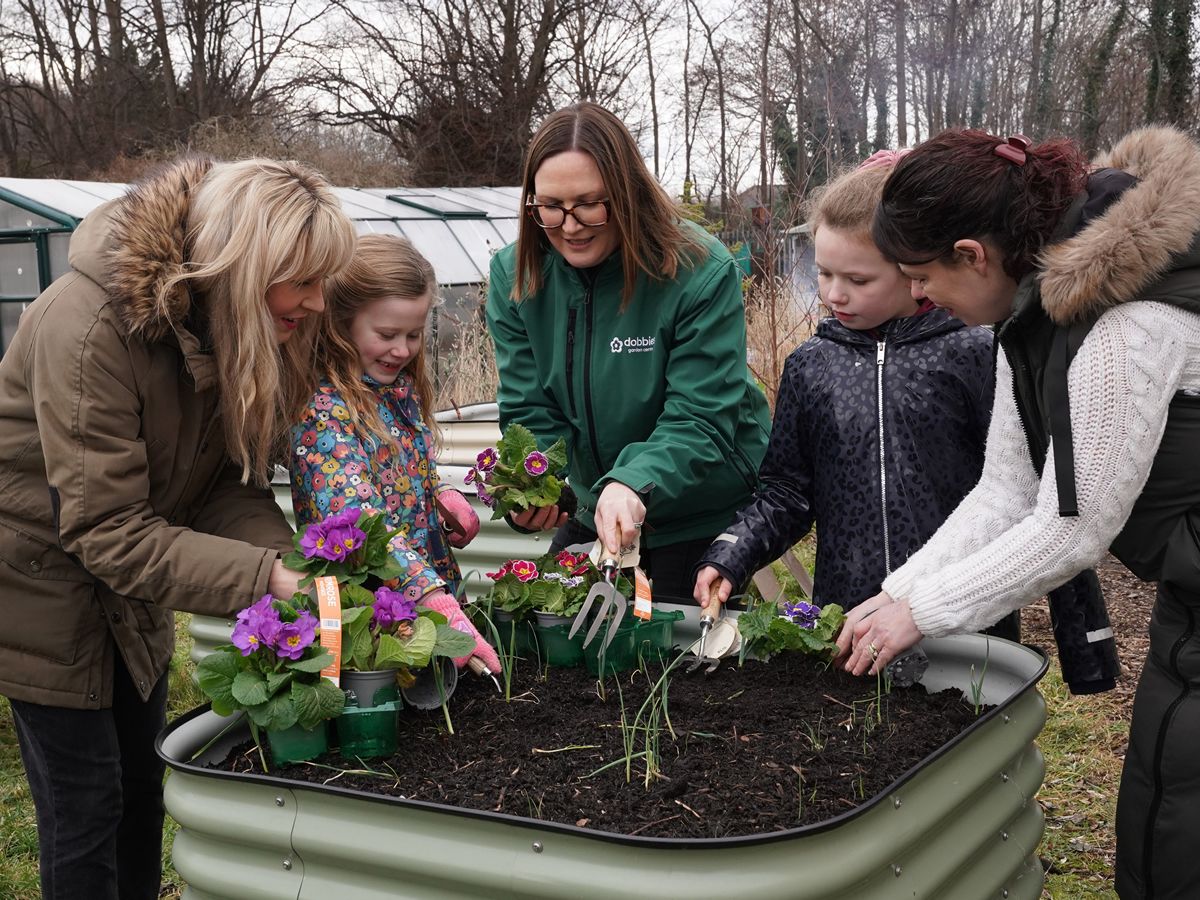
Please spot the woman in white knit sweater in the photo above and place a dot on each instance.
(1095, 436)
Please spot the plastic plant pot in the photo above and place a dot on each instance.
(523, 644)
(546, 619)
(620, 655)
(657, 636)
(297, 744)
(370, 688)
(368, 732)
(557, 648)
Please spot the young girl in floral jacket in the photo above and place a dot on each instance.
(364, 442)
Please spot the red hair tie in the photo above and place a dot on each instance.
(1014, 149)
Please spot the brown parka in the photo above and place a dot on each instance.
(118, 501)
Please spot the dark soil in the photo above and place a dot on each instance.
(757, 749)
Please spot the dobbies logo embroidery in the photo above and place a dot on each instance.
(632, 345)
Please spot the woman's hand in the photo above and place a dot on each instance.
(710, 583)
(283, 582)
(539, 518)
(619, 516)
(876, 632)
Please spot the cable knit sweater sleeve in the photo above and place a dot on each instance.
(1006, 545)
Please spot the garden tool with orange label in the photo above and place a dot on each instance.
(614, 603)
(719, 636)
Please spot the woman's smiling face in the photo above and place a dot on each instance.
(566, 179)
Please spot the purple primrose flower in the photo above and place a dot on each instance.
(257, 626)
(335, 538)
(536, 463)
(293, 637)
(486, 461)
(391, 607)
(484, 497)
(803, 614)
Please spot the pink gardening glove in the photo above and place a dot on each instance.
(460, 519)
(440, 601)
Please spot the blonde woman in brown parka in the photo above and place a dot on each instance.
(140, 404)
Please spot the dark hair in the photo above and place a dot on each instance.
(955, 186)
(651, 235)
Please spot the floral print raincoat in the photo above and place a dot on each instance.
(334, 466)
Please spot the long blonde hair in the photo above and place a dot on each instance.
(652, 236)
(383, 266)
(252, 224)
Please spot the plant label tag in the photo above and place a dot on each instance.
(329, 606)
(642, 602)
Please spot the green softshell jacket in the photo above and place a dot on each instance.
(658, 397)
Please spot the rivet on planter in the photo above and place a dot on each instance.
(537, 846)
(1007, 718)
(1004, 776)
(897, 804)
(1004, 835)
(279, 801)
(287, 865)
(896, 870)
(1004, 893)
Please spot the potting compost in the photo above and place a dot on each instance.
(756, 749)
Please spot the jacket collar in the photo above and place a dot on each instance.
(905, 330)
(1136, 241)
(133, 245)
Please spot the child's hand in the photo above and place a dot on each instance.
(710, 584)
(440, 601)
(457, 514)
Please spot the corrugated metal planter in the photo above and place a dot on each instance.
(963, 824)
(464, 434)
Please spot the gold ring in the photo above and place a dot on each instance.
(874, 651)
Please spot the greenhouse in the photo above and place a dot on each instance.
(456, 229)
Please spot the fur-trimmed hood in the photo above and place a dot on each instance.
(1138, 239)
(132, 245)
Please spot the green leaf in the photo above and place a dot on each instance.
(453, 643)
(413, 652)
(277, 680)
(307, 702)
(215, 674)
(312, 663)
(297, 561)
(517, 443)
(556, 455)
(276, 714)
(331, 699)
(355, 597)
(351, 615)
(250, 689)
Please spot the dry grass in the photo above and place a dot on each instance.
(775, 326)
(467, 371)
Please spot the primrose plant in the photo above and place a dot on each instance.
(515, 475)
(766, 630)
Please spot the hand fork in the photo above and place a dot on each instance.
(606, 588)
(706, 623)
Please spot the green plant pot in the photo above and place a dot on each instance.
(557, 648)
(657, 636)
(369, 732)
(620, 655)
(371, 688)
(523, 643)
(297, 744)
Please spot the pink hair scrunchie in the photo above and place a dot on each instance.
(887, 158)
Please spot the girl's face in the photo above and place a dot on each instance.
(568, 179)
(972, 286)
(862, 288)
(290, 301)
(389, 333)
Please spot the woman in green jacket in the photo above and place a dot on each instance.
(621, 328)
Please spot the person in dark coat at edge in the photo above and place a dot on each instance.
(1094, 277)
(142, 402)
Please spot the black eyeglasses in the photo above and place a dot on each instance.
(592, 214)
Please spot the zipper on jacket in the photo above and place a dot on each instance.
(571, 361)
(880, 357)
(590, 414)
